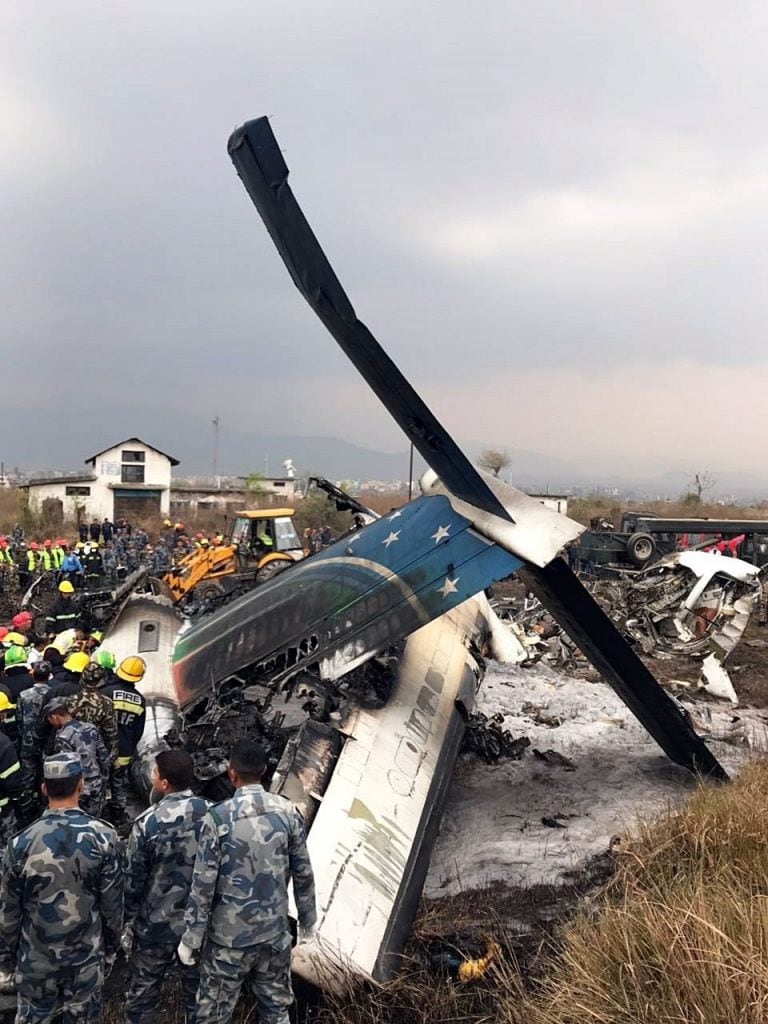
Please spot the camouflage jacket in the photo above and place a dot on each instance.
(61, 893)
(85, 740)
(160, 857)
(251, 846)
(29, 704)
(91, 705)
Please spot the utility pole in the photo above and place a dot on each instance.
(215, 444)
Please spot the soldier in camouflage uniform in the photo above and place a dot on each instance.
(251, 846)
(160, 857)
(61, 905)
(91, 705)
(83, 740)
(29, 705)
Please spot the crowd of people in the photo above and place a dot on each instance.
(103, 553)
(199, 886)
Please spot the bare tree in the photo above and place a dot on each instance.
(700, 483)
(494, 460)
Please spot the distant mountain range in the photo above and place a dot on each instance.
(531, 471)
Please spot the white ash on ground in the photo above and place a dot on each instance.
(493, 827)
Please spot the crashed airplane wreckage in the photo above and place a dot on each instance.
(395, 608)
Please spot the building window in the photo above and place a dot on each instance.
(77, 492)
(132, 475)
(131, 456)
(278, 483)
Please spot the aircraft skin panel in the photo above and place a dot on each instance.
(351, 599)
(372, 836)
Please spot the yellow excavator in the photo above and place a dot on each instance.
(262, 543)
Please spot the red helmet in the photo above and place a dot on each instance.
(35, 546)
(22, 620)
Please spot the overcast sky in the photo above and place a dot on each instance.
(551, 214)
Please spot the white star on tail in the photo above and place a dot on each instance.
(440, 533)
(391, 539)
(449, 587)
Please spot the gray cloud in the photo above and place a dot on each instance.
(507, 191)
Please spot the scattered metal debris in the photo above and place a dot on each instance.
(486, 738)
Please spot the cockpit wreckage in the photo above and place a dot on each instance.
(359, 664)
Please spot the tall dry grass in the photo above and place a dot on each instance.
(682, 932)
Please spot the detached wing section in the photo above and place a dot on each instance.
(259, 162)
(346, 603)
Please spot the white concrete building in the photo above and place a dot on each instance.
(129, 479)
(557, 502)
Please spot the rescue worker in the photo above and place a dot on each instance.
(107, 530)
(129, 710)
(159, 862)
(65, 684)
(251, 847)
(107, 661)
(71, 566)
(93, 706)
(15, 672)
(45, 559)
(83, 740)
(11, 782)
(27, 565)
(264, 544)
(57, 550)
(16, 679)
(29, 705)
(82, 530)
(22, 622)
(93, 565)
(61, 905)
(64, 614)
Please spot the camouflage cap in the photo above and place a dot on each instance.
(93, 675)
(62, 766)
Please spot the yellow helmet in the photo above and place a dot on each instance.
(15, 640)
(131, 669)
(65, 587)
(5, 703)
(77, 662)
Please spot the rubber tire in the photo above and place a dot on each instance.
(271, 569)
(640, 548)
(206, 591)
